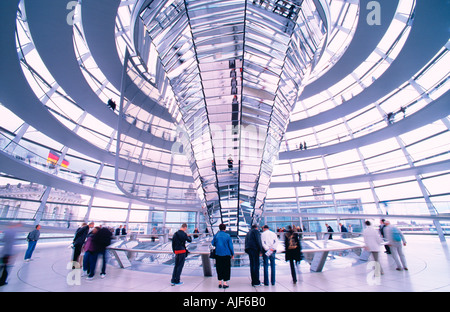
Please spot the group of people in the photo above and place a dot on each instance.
(341, 228)
(393, 240)
(257, 244)
(88, 239)
(121, 230)
(265, 244)
(93, 240)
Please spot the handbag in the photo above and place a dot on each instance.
(292, 243)
(212, 253)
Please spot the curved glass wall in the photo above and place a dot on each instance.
(236, 69)
(362, 145)
(34, 147)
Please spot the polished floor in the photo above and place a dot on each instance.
(428, 260)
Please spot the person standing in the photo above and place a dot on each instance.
(372, 241)
(102, 240)
(118, 231)
(343, 230)
(293, 251)
(253, 247)
(79, 239)
(230, 163)
(155, 233)
(395, 239)
(269, 242)
(179, 240)
(32, 239)
(90, 255)
(329, 230)
(383, 235)
(196, 231)
(224, 254)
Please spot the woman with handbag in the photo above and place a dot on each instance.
(293, 251)
(224, 252)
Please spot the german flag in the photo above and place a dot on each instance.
(53, 158)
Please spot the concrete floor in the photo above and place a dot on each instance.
(50, 271)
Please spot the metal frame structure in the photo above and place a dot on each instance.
(374, 110)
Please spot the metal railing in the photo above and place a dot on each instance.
(316, 253)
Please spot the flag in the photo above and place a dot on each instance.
(53, 158)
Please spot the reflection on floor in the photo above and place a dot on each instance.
(50, 271)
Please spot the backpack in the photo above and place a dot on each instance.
(292, 242)
(396, 235)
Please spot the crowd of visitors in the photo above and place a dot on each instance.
(265, 243)
(90, 243)
(93, 240)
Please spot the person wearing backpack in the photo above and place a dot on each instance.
(395, 240)
(293, 250)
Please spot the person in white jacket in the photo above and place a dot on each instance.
(372, 241)
(269, 242)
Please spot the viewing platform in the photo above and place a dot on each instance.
(145, 249)
(50, 271)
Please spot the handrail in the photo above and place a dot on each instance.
(206, 252)
(150, 251)
(319, 255)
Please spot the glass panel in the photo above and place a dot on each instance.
(244, 86)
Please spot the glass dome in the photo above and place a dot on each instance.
(98, 121)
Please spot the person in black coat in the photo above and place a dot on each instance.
(343, 229)
(79, 239)
(102, 240)
(293, 249)
(254, 249)
(382, 228)
(329, 230)
(179, 240)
